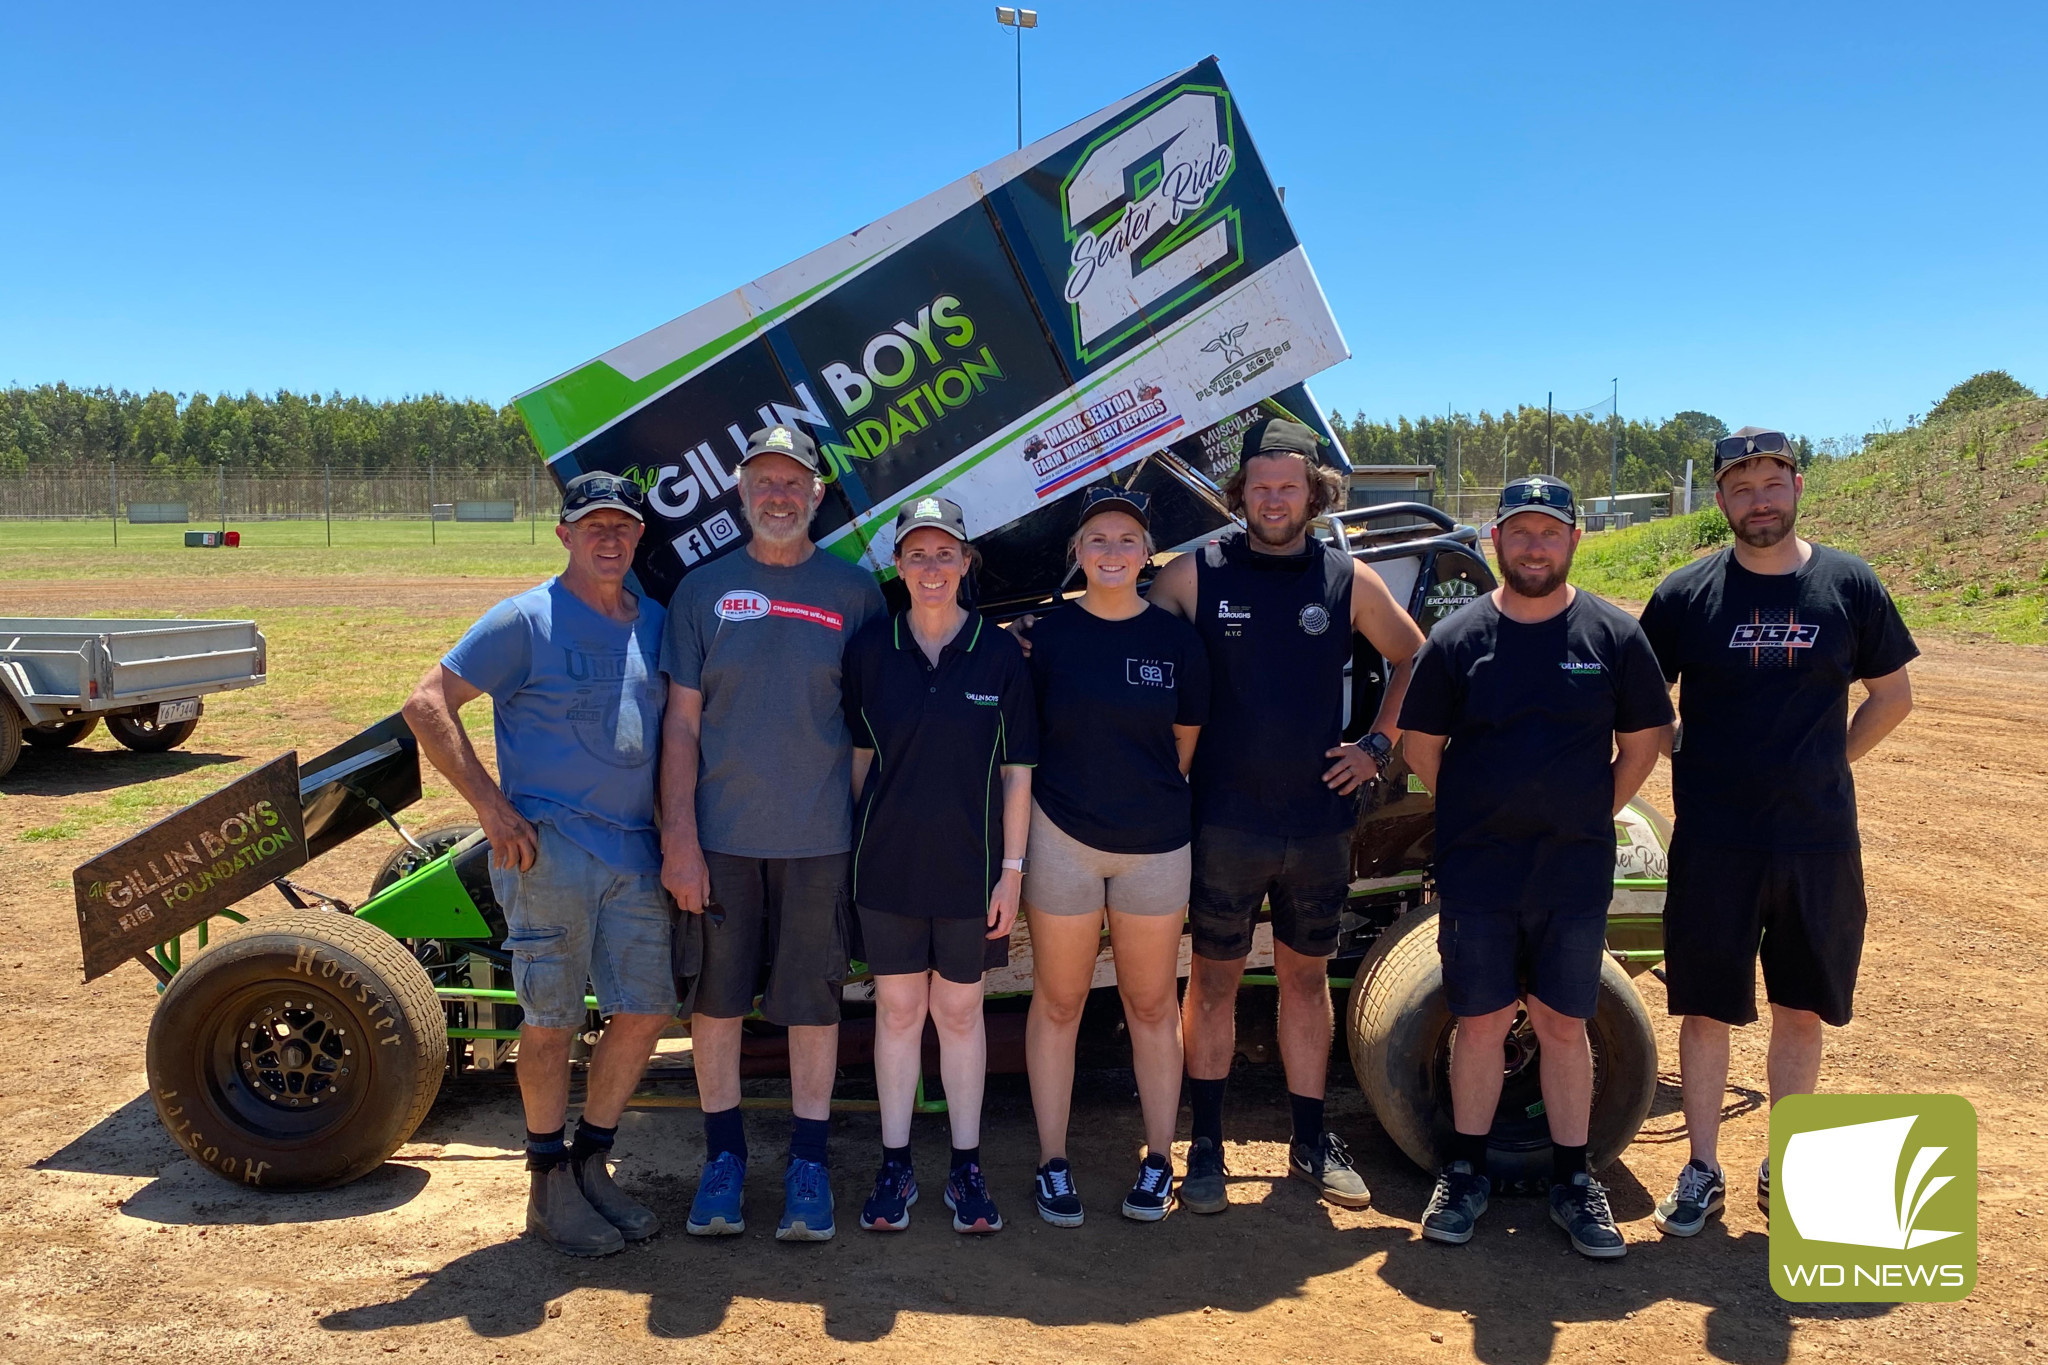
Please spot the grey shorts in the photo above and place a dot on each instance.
(572, 921)
(1067, 877)
(784, 939)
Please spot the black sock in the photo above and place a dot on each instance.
(899, 1155)
(807, 1139)
(965, 1156)
(1308, 1116)
(1566, 1162)
(1206, 1099)
(1470, 1148)
(723, 1132)
(545, 1151)
(591, 1139)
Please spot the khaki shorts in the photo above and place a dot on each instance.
(1067, 877)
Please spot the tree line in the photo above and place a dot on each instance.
(57, 426)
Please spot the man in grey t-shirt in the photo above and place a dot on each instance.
(756, 800)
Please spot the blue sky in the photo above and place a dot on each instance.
(1810, 215)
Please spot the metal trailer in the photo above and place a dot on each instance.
(299, 1049)
(60, 678)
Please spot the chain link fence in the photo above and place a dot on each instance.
(54, 494)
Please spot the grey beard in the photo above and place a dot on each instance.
(773, 535)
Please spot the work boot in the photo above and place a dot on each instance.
(635, 1221)
(558, 1214)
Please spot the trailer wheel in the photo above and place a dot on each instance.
(145, 736)
(10, 734)
(61, 736)
(297, 1051)
(408, 860)
(1398, 1029)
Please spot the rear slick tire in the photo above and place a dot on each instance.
(1398, 1029)
(297, 1051)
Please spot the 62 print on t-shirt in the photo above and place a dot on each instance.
(1149, 672)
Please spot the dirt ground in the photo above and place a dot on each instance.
(114, 1246)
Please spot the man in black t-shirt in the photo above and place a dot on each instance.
(1765, 638)
(1517, 708)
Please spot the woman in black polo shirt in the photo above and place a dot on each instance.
(944, 733)
(1123, 689)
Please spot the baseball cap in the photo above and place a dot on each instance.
(1110, 498)
(942, 513)
(1750, 443)
(1278, 436)
(1538, 493)
(586, 493)
(781, 440)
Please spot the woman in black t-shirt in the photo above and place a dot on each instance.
(944, 735)
(1123, 689)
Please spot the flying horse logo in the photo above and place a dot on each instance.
(1227, 343)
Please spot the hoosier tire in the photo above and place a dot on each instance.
(1398, 1030)
(145, 736)
(297, 1051)
(61, 736)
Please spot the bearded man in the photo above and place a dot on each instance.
(1765, 857)
(1535, 713)
(757, 818)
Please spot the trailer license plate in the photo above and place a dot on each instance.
(171, 712)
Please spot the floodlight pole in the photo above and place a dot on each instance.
(1019, 19)
(1549, 442)
(1614, 449)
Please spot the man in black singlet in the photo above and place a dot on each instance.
(1276, 793)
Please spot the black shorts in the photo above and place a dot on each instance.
(786, 919)
(1802, 913)
(1235, 871)
(1494, 955)
(907, 945)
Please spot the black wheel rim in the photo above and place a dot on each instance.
(285, 1061)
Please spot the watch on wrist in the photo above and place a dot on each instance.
(1015, 865)
(1380, 749)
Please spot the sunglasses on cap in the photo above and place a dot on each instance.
(1731, 448)
(1517, 495)
(590, 489)
(1141, 501)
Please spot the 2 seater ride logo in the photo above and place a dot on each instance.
(1874, 1198)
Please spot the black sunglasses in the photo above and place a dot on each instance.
(1141, 501)
(603, 488)
(1523, 494)
(1742, 447)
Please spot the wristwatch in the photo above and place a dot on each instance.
(1381, 751)
(1015, 865)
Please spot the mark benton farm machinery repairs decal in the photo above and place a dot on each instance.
(1124, 284)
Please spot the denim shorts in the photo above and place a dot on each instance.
(574, 921)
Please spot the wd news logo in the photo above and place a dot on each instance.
(1873, 1198)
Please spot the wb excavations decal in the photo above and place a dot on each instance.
(1121, 286)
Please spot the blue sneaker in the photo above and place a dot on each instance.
(888, 1208)
(967, 1195)
(719, 1208)
(806, 1203)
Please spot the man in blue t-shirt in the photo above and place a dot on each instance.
(572, 668)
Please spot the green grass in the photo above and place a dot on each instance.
(281, 549)
(1630, 563)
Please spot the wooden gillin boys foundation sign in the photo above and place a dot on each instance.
(190, 865)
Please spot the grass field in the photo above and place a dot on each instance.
(282, 549)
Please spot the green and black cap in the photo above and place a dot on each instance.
(781, 440)
(940, 513)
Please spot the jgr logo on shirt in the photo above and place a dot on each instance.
(1148, 672)
(1778, 635)
(742, 606)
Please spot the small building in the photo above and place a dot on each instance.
(1372, 484)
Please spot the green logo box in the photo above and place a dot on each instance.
(1873, 1198)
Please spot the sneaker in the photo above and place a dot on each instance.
(1326, 1164)
(719, 1210)
(1580, 1207)
(967, 1195)
(806, 1203)
(1763, 1188)
(1455, 1204)
(1059, 1203)
(888, 1208)
(1202, 1189)
(1152, 1196)
(1699, 1194)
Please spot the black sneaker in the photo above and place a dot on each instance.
(888, 1208)
(1763, 1189)
(1699, 1194)
(1059, 1203)
(1152, 1196)
(968, 1197)
(1326, 1164)
(1455, 1204)
(1202, 1189)
(1579, 1206)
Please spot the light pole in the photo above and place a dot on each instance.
(1019, 19)
(1614, 450)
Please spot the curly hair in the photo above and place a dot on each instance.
(1325, 485)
